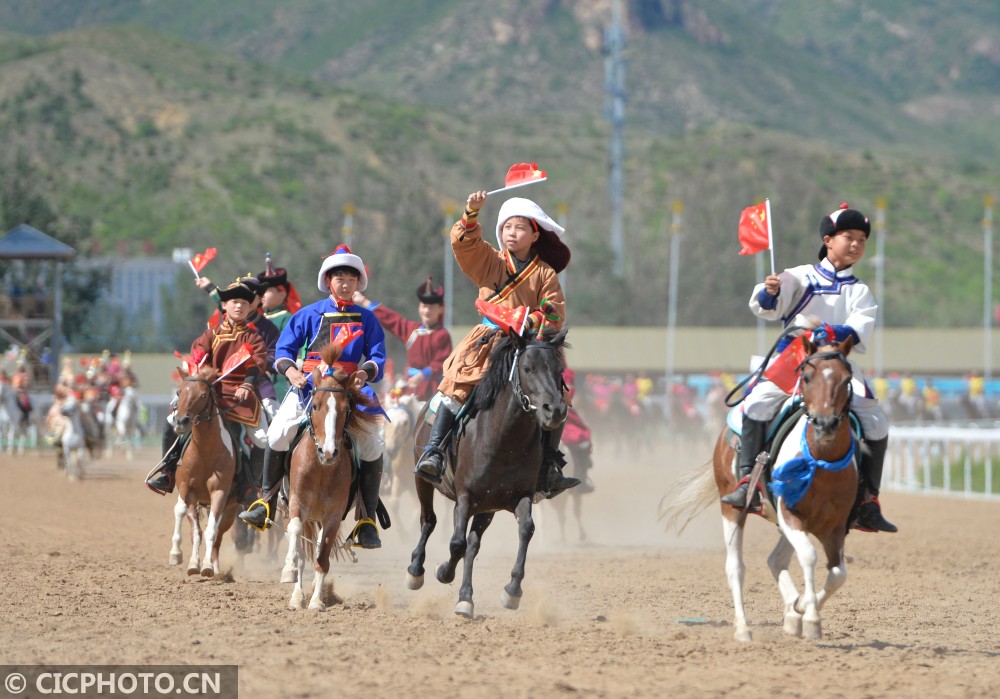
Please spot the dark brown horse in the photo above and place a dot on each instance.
(206, 471)
(816, 479)
(498, 459)
(320, 476)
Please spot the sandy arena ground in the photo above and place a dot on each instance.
(632, 612)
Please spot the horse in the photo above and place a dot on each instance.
(399, 431)
(122, 427)
(497, 459)
(205, 474)
(822, 436)
(16, 427)
(72, 439)
(319, 476)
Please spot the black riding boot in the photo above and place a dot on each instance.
(551, 476)
(870, 513)
(274, 471)
(369, 483)
(751, 444)
(431, 464)
(163, 481)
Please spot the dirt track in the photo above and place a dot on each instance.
(634, 612)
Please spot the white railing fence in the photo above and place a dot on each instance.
(958, 461)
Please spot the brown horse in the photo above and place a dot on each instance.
(498, 460)
(817, 457)
(320, 476)
(206, 471)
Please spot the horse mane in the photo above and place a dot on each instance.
(330, 353)
(208, 373)
(502, 359)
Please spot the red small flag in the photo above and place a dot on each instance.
(199, 261)
(753, 230)
(520, 173)
(344, 337)
(784, 371)
(236, 360)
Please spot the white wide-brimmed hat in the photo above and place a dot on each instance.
(342, 257)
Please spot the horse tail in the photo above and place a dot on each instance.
(687, 497)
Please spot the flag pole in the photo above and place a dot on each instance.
(196, 275)
(515, 186)
(770, 233)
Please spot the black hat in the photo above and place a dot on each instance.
(239, 290)
(255, 285)
(843, 219)
(272, 276)
(428, 293)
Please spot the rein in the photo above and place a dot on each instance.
(523, 399)
(200, 416)
(834, 354)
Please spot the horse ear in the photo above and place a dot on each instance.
(182, 371)
(519, 340)
(846, 346)
(807, 345)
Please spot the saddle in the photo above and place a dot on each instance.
(777, 431)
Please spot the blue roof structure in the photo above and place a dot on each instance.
(26, 243)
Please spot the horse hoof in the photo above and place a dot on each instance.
(464, 609)
(444, 575)
(174, 560)
(509, 601)
(207, 571)
(812, 630)
(296, 602)
(414, 582)
(317, 606)
(743, 635)
(289, 576)
(793, 624)
(193, 569)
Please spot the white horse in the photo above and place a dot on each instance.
(122, 427)
(16, 428)
(399, 431)
(72, 439)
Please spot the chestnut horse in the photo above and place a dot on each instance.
(206, 471)
(499, 457)
(816, 483)
(319, 476)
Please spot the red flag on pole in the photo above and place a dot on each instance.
(753, 230)
(784, 370)
(506, 319)
(521, 175)
(236, 360)
(199, 261)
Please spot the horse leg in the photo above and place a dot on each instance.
(175, 541)
(836, 563)
(428, 520)
(778, 562)
(735, 570)
(321, 564)
(480, 522)
(805, 552)
(213, 533)
(577, 500)
(446, 571)
(510, 598)
(294, 567)
(192, 514)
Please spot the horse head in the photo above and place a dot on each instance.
(331, 411)
(195, 399)
(826, 386)
(536, 376)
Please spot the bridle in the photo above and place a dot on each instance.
(846, 410)
(347, 419)
(211, 408)
(523, 399)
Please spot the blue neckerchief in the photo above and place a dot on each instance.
(489, 323)
(792, 479)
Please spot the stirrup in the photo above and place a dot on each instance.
(165, 490)
(751, 503)
(357, 528)
(267, 515)
(433, 472)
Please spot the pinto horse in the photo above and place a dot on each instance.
(319, 476)
(816, 483)
(206, 471)
(498, 459)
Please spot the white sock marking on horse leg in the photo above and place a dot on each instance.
(735, 570)
(175, 541)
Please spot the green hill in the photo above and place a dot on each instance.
(131, 140)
